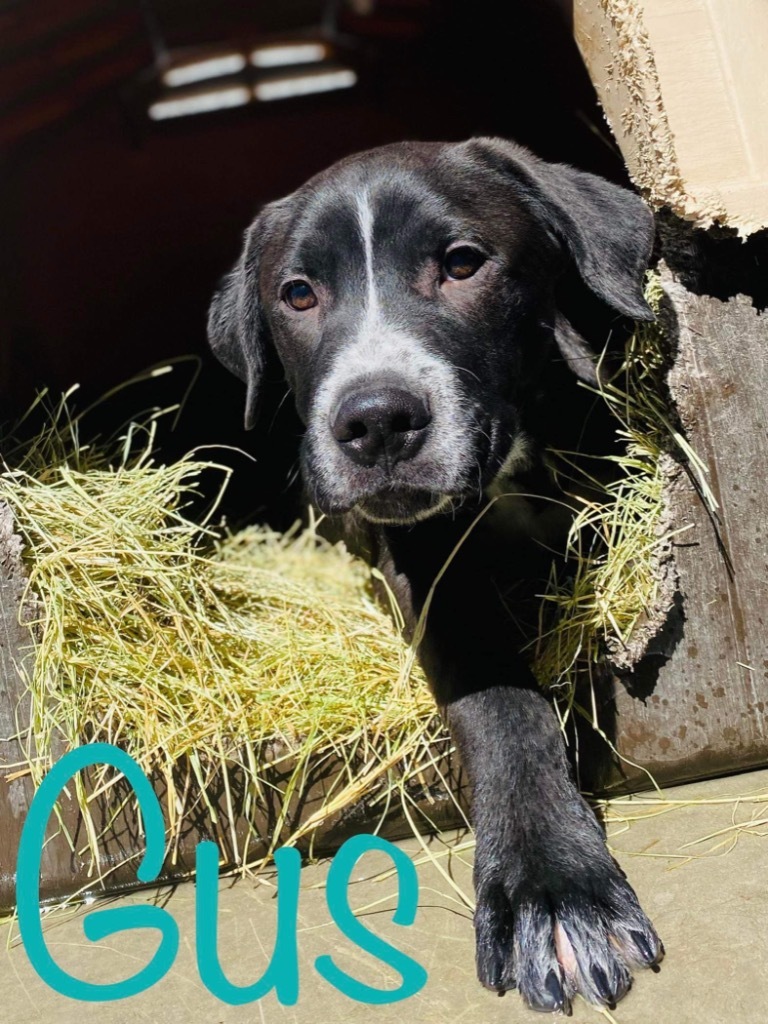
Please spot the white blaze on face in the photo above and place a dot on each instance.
(365, 220)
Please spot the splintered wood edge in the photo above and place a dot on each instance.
(614, 43)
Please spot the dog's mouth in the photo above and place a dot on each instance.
(400, 508)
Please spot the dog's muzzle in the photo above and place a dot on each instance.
(396, 442)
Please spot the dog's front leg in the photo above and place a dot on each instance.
(554, 913)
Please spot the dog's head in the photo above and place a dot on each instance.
(409, 292)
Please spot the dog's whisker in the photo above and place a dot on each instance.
(472, 373)
(293, 474)
(280, 405)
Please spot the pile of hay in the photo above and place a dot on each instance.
(246, 653)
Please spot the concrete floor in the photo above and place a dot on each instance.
(709, 902)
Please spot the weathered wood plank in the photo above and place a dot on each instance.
(701, 694)
(15, 641)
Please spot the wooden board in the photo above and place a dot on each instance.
(697, 704)
(683, 86)
(15, 641)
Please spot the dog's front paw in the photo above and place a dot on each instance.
(551, 932)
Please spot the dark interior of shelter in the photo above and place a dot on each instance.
(116, 224)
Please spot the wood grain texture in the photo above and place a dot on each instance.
(697, 703)
(15, 644)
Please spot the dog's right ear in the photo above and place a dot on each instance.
(237, 329)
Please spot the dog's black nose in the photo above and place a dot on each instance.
(380, 424)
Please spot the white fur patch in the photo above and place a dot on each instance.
(365, 220)
(390, 349)
(518, 458)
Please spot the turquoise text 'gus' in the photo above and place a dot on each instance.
(282, 974)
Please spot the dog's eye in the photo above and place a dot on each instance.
(462, 262)
(298, 295)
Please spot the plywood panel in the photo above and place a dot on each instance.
(683, 84)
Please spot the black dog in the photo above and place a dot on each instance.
(412, 296)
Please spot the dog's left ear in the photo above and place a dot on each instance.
(237, 330)
(607, 230)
